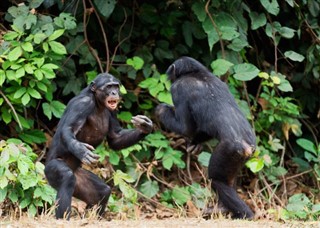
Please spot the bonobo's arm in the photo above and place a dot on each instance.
(73, 119)
(175, 118)
(119, 138)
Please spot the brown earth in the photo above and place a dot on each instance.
(152, 223)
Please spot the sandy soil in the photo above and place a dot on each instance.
(152, 223)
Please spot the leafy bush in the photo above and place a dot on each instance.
(267, 51)
(22, 180)
(29, 54)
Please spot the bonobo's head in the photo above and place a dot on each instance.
(106, 89)
(184, 66)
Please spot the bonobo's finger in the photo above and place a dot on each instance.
(143, 123)
(88, 146)
(141, 120)
(91, 158)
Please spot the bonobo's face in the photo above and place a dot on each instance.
(107, 91)
(111, 94)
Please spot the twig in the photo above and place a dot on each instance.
(216, 28)
(119, 34)
(104, 37)
(12, 108)
(272, 193)
(311, 130)
(86, 35)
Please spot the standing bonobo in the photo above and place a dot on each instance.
(205, 109)
(88, 119)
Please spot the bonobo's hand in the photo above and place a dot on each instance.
(88, 157)
(143, 123)
(160, 109)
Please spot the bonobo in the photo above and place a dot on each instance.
(205, 109)
(88, 119)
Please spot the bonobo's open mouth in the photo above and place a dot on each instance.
(112, 103)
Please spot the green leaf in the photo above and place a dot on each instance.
(57, 108)
(307, 145)
(165, 97)
(47, 110)
(3, 182)
(33, 136)
(34, 93)
(238, 44)
(294, 56)
(39, 37)
(245, 71)
(20, 72)
(285, 86)
(23, 165)
(187, 32)
(27, 46)
(172, 157)
(298, 202)
(181, 195)
(19, 92)
(42, 86)
(213, 36)
(149, 188)
(271, 6)
(10, 36)
(13, 196)
(29, 68)
(149, 82)
(286, 32)
(105, 8)
(49, 66)
(125, 116)
(57, 47)
(257, 20)
(114, 158)
(221, 66)
(2, 77)
(136, 62)
(24, 203)
(15, 53)
(25, 99)
(204, 158)
(6, 116)
(120, 176)
(3, 192)
(4, 157)
(56, 34)
(38, 74)
(199, 10)
(255, 164)
(48, 73)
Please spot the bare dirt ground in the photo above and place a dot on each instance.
(150, 223)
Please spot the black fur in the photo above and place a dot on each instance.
(204, 109)
(85, 123)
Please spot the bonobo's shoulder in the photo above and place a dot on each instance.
(81, 101)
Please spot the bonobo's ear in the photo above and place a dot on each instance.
(93, 86)
(171, 72)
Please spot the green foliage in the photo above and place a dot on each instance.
(30, 55)
(22, 180)
(300, 207)
(271, 65)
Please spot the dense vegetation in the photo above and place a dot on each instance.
(268, 51)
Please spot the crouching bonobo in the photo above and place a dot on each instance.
(88, 119)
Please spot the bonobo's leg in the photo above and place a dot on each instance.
(61, 177)
(91, 189)
(225, 163)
